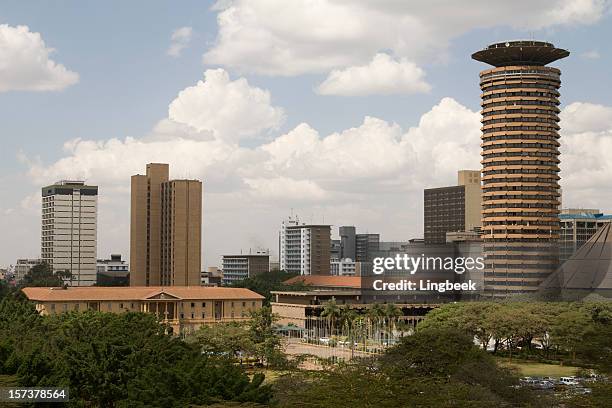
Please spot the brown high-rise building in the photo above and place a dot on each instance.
(452, 209)
(166, 229)
(520, 159)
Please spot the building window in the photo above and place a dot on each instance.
(203, 304)
(65, 307)
(52, 306)
(110, 306)
(120, 305)
(203, 315)
(193, 315)
(243, 304)
(232, 305)
(182, 315)
(192, 304)
(76, 306)
(232, 314)
(253, 304)
(132, 305)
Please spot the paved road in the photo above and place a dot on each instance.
(297, 347)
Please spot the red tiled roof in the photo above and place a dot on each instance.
(327, 281)
(94, 293)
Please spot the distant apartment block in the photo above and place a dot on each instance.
(23, 266)
(113, 271)
(69, 230)
(351, 245)
(452, 209)
(240, 267)
(365, 246)
(345, 267)
(304, 249)
(166, 229)
(577, 227)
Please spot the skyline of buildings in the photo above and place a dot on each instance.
(516, 203)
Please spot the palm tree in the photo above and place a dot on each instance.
(392, 315)
(331, 311)
(375, 314)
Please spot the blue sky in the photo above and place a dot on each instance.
(127, 81)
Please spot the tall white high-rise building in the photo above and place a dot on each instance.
(69, 230)
(304, 249)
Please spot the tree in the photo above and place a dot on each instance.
(331, 312)
(42, 275)
(569, 329)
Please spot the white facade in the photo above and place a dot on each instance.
(290, 243)
(112, 265)
(69, 230)
(345, 267)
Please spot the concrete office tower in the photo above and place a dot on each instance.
(69, 230)
(452, 209)
(520, 159)
(304, 249)
(347, 242)
(240, 267)
(166, 229)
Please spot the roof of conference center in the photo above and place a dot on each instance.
(522, 52)
(96, 293)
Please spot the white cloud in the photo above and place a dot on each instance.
(586, 143)
(592, 54)
(277, 37)
(232, 110)
(25, 63)
(381, 76)
(579, 117)
(180, 39)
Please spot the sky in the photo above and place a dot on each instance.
(339, 111)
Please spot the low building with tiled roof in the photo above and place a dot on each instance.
(184, 308)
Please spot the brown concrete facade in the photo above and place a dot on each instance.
(166, 229)
(520, 166)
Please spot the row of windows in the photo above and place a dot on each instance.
(521, 111)
(523, 223)
(516, 188)
(525, 85)
(486, 122)
(543, 137)
(492, 172)
(520, 129)
(520, 231)
(520, 197)
(521, 162)
(486, 156)
(521, 102)
(518, 214)
(521, 73)
(520, 205)
(550, 146)
(551, 95)
(536, 179)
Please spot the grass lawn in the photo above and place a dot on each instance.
(533, 369)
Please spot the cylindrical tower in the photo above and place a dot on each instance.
(520, 164)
